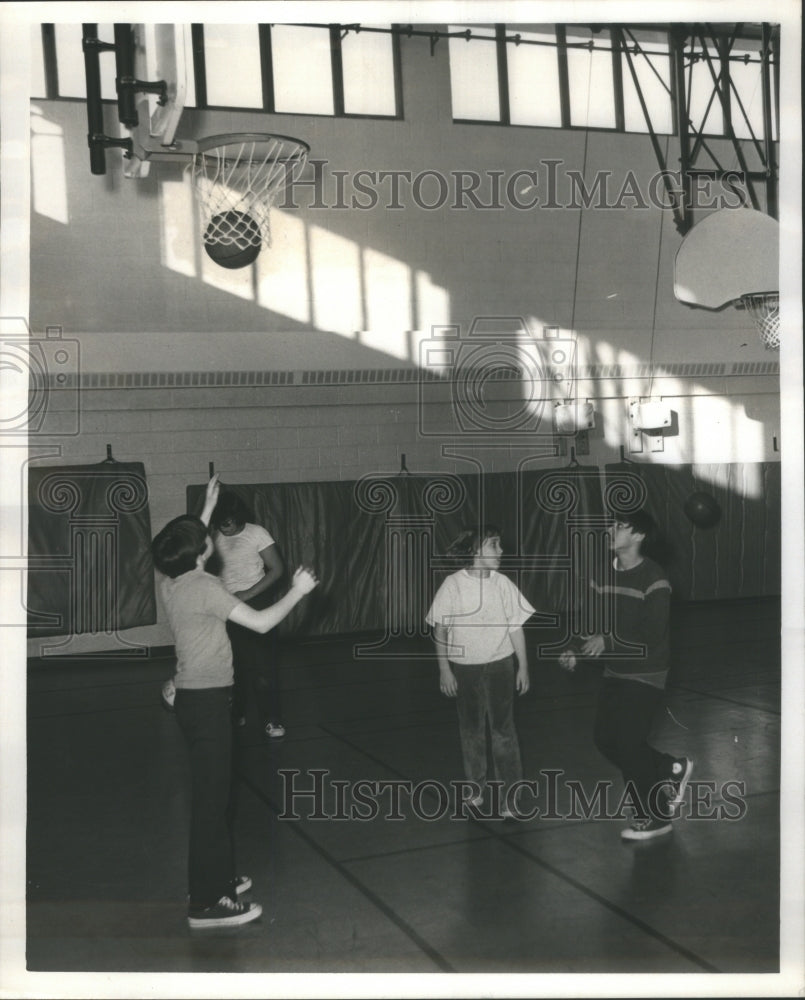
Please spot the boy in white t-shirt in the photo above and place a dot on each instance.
(477, 617)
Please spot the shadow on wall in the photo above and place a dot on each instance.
(377, 544)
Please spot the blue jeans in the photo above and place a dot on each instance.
(205, 718)
(486, 693)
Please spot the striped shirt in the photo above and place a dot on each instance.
(633, 607)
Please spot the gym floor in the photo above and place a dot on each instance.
(108, 818)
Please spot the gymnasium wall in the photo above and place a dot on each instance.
(302, 369)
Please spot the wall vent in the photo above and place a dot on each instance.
(381, 376)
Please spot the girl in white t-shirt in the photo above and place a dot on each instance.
(250, 566)
(477, 617)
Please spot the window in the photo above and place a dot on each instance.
(474, 74)
(369, 56)
(747, 90)
(70, 61)
(534, 96)
(283, 68)
(590, 82)
(226, 47)
(649, 57)
(301, 55)
(705, 107)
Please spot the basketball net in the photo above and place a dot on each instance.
(764, 308)
(242, 175)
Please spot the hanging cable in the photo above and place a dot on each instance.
(656, 293)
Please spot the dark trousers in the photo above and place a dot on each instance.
(623, 721)
(204, 717)
(254, 657)
(486, 692)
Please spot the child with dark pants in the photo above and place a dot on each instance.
(477, 617)
(635, 596)
(256, 673)
(251, 566)
(198, 608)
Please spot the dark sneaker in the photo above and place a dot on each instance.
(168, 695)
(680, 776)
(274, 730)
(226, 913)
(645, 829)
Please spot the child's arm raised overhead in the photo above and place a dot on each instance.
(518, 641)
(304, 580)
(210, 499)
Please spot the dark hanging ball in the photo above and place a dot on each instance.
(232, 239)
(702, 510)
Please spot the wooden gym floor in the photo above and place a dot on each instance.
(108, 814)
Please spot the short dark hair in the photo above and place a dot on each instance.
(177, 547)
(230, 507)
(642, 523)
(464, 547)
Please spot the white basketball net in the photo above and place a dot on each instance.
(764, 308)
(241, 175)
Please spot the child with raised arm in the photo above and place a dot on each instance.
(198, 607)
(477, 617)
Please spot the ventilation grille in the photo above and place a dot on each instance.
(377, 376)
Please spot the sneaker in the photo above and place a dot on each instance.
(168, 695)
(680, 776)
(242, 883)
(226, 913)
(274, 730)
(645, 829)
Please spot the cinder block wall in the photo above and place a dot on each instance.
(122, 273)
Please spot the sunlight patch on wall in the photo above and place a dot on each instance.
(48, 171)
(282, 268)
(433, 303)
(178, 233)
(387, 290)
(336, 282)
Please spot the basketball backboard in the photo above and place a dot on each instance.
(729, 254)
(161, 52)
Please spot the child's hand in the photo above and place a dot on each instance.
(213, 489)
(567, 660)
(593, 646)
(522, 681)
(305, 579)
(447, 682)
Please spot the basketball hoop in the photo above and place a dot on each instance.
(764, 308)
(237, 179)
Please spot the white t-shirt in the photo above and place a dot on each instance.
(478, 612)
(241, 563)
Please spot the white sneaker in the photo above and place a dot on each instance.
(646, 829)
(225, 913)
